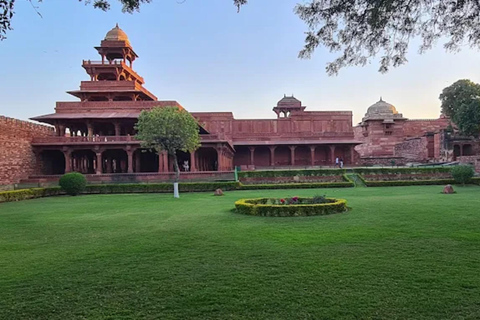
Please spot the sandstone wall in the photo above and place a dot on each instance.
(473, 160)
(17, 160)
(415, 149)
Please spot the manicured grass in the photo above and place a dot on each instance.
(401, 253)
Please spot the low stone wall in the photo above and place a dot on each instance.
(203, 176)
(294, 179)
(382, 161)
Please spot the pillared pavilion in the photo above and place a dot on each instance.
(96, 135)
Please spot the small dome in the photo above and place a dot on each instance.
(117, 34)
(289, 102)
(382, 110)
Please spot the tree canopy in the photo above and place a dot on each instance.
(461, 102)
(358, 30)
(169, 129)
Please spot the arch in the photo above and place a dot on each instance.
(107, 76)
(321, 155)
(467, 150)
(84, 161)
(261, 156)
(52, 162)
(98, 98)
(303, 156)
(145, 160)
(282, 156)
(104, 129)
(241, 156)
(456, 152)
(207, 159)
(114, 161)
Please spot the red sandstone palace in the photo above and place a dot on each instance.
(96, 135)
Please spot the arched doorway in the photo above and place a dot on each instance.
(262, 157)
(303, 156)
(207, 159)
(114, 161)
(282, 156)
(83, 161)
(321, 156)
(456, 151)
(467, 150)
(52, 162)
(145, 161)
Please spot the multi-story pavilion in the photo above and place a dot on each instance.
(96, 134)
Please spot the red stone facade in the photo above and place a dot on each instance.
(17, 159)
(387, 136)
(95, 135)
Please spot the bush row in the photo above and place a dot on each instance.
(291, 173)
(24, 194)
(394, 183)
(251, 207)
(160, 187)
(402, 170)
(311, 185)
(17, 195)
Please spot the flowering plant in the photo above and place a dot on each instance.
(282, 201)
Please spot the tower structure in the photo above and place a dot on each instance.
(113, 78)
(287, 105)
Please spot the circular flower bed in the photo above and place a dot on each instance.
(290, 207)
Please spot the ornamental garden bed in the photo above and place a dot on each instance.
(290, 207)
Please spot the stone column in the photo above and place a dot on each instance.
(292, 155)
(461, 150)
(89, 129)
(219, 158)
(252, 155)
(117, 128)
(99, 169)
(130, 161)
(193, 164)
(332, 155)
(137, 161)
(312, 155)
(67, 153)
(352, 155)
(272, 155)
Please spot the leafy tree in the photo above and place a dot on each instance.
(358, 29)
(463, 174)
(362, 29)
(461, 102)
(169, 129)
(130, 6)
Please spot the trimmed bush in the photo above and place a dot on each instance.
(260, 207)
(73, 183)
(463, 174)
(291, 173)
(160, 187)
(311, 185)
(24, 194)
(382, 171)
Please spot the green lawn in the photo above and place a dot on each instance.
(401, 253)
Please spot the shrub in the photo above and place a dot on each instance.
(24, 194)
(463, 174)
(73, 183)
(263, 207)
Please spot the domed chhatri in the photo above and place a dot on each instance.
(382, 110)
(117, 34)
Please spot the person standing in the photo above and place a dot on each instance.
(341, 163)
(336, 162)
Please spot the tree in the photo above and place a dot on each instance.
(461, 102)
(169, 129)
(130, 6)
(362, 29)
(359, 29)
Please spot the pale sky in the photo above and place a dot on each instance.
(208, 57)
